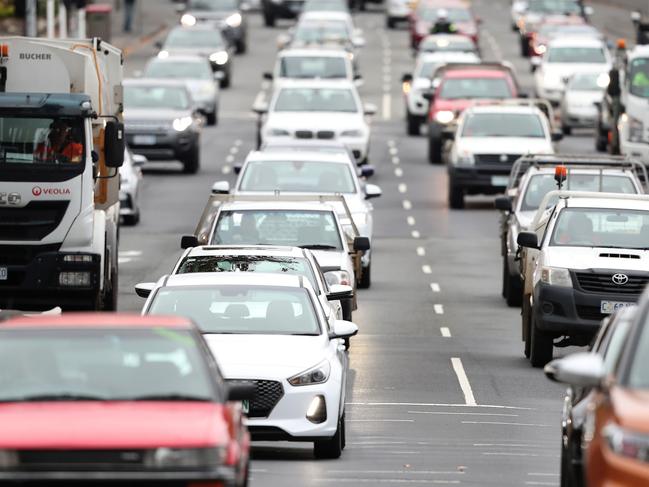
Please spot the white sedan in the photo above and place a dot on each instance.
(264, 329)
(317, 110)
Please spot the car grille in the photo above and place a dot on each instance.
(23, 254)
(32, 222)
(602, 282)
(267, 395)
(495, 158)
(320, 134)
(326, 134)
(81, 459)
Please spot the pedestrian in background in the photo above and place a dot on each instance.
(129, 12)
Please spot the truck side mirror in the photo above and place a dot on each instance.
(188, 241)
(361, 244)
(528, 239)
(114, 144)
(503, 203)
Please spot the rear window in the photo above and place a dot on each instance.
(467, 88)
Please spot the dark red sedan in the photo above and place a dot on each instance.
(95, 398)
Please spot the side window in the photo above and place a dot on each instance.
(615, 345)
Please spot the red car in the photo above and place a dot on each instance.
(459, 86)
(96, 398)
(423, 18)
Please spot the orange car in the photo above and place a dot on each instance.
(615, 444)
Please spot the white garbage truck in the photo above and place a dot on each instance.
(61, 144)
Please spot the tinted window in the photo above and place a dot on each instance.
(213, 5)
(461, 88)
(313, 67)
(503, 125)
(427, 13)
(297, 176)
(315, 100)
(320, 32)
(576, 55)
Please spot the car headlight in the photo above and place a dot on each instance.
(556, 276)
(314, 375)
(444, 116)
(465, 158)
(636, 128)
(338, 277)
(185, 457)
(278, 132)
(234, 20)
(351, 133)
(182, 124)
(188, 20)
(627, 443)
(220, 57)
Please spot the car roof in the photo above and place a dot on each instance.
(155, 82)
(97, 321)
(317, 83)
(476, 72)
(302, 154)
(259, 279)
(246, 250)
(179, 58)
(576, 41)
(311, 52)
(278, 205)
(604, 200)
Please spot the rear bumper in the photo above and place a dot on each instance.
(166, 148)
(480, 179)
(283, 9)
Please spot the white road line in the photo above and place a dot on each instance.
(439, 405)
(450, 413)
(395, 160)
(387, 106)
(439, 309)
(404, 471)
(435, 287)
(229, 159)
(238, 142)
(124, 260)
(380, 420)
(394, 151)
(469, 399)
(415, 234)
(391, 143)
(421, 251)
(226, 169)
(507, 424)
(529, 482)
(510, 445)
(407, 205)
(493, 44)
(445, 331)
(426, 269)
(386, 86)
(539, 474)
(387, 481)
(130, 253)
(234, 150)
(403, 187)
(509, 454)
(398, 172)
(410, 219)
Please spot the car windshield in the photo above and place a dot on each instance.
(156, 97)
(595, 227)
(639, 77)
(215, 5)
(588, 82)
(425, 12)
(297, 228)
(562, 30)
(503, 125)
(179, 69)
(119, 364)
(559, 7)
(312, 67)
(320, 32)
(297, 176)
(447, 44)
(182, 38)
(468, 88)
(248, 263)
(316, 100)
(576, 55)
(27, 142)
(241, 310)
(542, 184)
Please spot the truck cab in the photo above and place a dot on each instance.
(633, 126)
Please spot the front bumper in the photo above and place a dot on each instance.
(165, 146)
(480, 179)
(284, 9)
(636, 150)
(358, 145)
(33, 279)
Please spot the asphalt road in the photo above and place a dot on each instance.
(439, 390)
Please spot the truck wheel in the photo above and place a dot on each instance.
(242, 46)
(132, 220)
(525, 47)
(566, 129)
(109, 300)
(330, 448)
(513, 291)
(225, 82)
(455, 197)
(525, 325)
(366, 277)
(434, 150)
(213, 118)
(192, 161)
(541, 346)
(269, 19)
(413, 124)
(347, 305)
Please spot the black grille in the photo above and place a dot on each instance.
(303, 134)
(267, 395)
(80, 459)
(495, 158)
(23, 254)
(590, 313)
(602, 282)
(326, 134)
(32, 222)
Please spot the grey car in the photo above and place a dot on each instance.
(229, 15)
(130, 178)
(162, 121)
(196, 73)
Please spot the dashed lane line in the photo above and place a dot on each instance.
(410, 220)
(439, 309)
(407, 205)
(398, 172)
(446, 333)
(421, 251)
(415, 234)
(435, 287)
(426, 269)
(463, 413)
(402, 187)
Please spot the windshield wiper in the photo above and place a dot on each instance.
(56, 397)
(318, 247)
(169, 397)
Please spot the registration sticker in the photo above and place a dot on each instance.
(608, 307)
(4, 274)
(499, 180)
(144, 139)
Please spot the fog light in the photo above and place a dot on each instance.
(77, 258)
(547, 308)
(317, 412)
(78, 279)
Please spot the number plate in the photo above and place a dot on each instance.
(245, 407)
(144, 139)
(4, 275)
(499, 180)
(608, 307)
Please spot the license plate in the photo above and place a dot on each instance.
(608, 307)
(144, 139)
(245, 406)
(499, 180)
(4, 275)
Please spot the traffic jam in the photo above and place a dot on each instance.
(327, 242)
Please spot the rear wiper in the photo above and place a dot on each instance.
(56, 397)
(169, 397)
(318, 247)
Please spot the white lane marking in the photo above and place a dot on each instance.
(540, 474)
(130, 253)
(407, 205)
(435, 287)
(511, 445)
(380, 420)
(493, 44)
(229, 159)
(535, 482)
(445, 331)
(415, 234)
(226, 169)
(124, 260)
(469, 399)
(388, 481)
(387, 106)
(507, 424)
(386, 85)
(450, 413)
(426, 269)
(391, 143)
(234, 150)
(509, 454)
(410, 219)
(398, 172)
(395, 160)
(393, 151)
(386, 68)
(258, 470)
(238, 142)
(402, 187)
(439, 309)
(440, 405)
(404, 471)
(421, 251)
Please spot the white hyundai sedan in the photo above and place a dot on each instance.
(269, 330)
(318, 110)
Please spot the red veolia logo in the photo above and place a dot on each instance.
(36, 191)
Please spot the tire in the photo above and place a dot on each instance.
(413, 124)
(212, 118)
(366, 277)
(525, 47)
(566, 129)
(565, 479)
(225, 82)
(512, 285)
(269, 19)
(344, 433)
(241, 46)
(455, 197)
(347, 306)
(390, 23)
(525, 320)
(191, 163)
(541, 346)
(333, 447)
(109, 299)
(600, 142)
(132, 220)
(434, 150)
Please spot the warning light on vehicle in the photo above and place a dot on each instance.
(560, 174)
(4, 50)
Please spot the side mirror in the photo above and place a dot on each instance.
(260, 108)
(340, 291)
(366, 171)
(372, 191)
(503, 203)
(221, 187)
(580, 369)
(369, 109)
(557, 136)
(188, 241)
(343, 329)
(114, 144)
(361, 244)
(528, 239)
(268, 76)
(406, 78)
(143, 289)
(241, 391)
(139, 160)
(237, 168)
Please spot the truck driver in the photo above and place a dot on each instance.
(59, 146)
